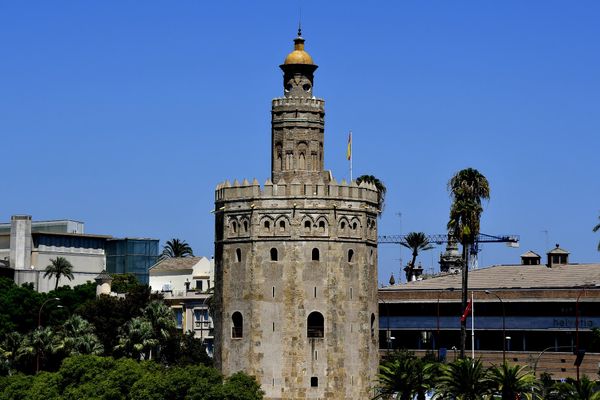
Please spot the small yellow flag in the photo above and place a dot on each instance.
(349, 150)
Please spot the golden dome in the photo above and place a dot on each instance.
(298, 56)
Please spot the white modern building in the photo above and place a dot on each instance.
(186, 284)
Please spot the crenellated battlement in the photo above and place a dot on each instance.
(245, 190)
(298, 101)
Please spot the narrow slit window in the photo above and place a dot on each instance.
(267, 225)
(322, 226)
(307, 226)
(274, 255)
(282, 225)
(273, 291)
(245, 226)
(372, 325)
(350, 255)
(314, 381)
(238, 255)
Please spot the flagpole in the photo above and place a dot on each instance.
(472, 327)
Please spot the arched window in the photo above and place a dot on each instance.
(282, 225)
(354, 226)
(245, 226)
(267, 225)
(237, 325)
(302, 161)
(307, 226)
(343, 225)
(274, 254)
(372, 325)
(315, 325)
(234, 227)
(350, 255)
(322, 226)
(238, 255)
(315, 254)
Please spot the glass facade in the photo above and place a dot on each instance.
(134, 256)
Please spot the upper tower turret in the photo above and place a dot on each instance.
(298, 71)
(297, 122)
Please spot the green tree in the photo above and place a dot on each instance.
(58, 268)
(123, 283)
(405, 375)
(464, 379)
(176, 248)
(468, 188)
(164, 325)
(137, 339)
(39, 346)
(512, 381)
(585, 389)
(381, 189)
(416, 242)
(9, 352)
(79, 338)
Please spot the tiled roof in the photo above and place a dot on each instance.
(513, 277)
(103, 276)
(530, 254)
(175, 264)
(558, 250)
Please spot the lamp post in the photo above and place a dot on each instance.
(503, 325)
(37, 361)
(451, 289)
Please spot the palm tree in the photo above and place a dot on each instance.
(512, 381)
(467, 188)
(79, 338)
(596, 229)
(416, 242)
(464, 379)
(40, 344)
(59, 267)
(162, 320)
(9, 351)
(381, 189)
(176, 248)
(137, 339)
(585, 389)
(398, 376)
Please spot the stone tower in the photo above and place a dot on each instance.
(296, 262)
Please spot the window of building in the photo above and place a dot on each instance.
(315, 325)
(199, 285)
(234, 227)
(245, 226)
(350, 255)
(237, 328)
(314, 381)
(179, 317)
(322, 226)
(282, 225)
(238, 255)
(267, 225)
(207, 284)
(354, 226)
(315, 254)
(274, 254)
(343, 225)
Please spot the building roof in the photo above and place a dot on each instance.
(513, 277)
(530, 254)
(558, 250)
(175, 264)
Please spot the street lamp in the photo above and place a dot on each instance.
(37, 361)
(42, 306)
(503, 325)
(450, 289)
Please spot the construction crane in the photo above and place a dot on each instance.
(510, 240)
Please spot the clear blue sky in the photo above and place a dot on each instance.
(126, 115)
